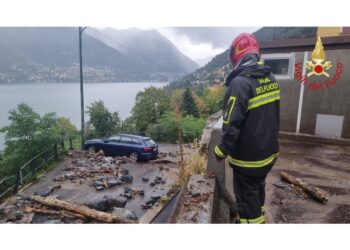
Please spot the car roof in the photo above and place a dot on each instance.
(134, 136)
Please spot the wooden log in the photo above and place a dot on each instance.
(62, 213)
(313, 191)
(80, 209)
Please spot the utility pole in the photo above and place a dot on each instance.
(81, 30)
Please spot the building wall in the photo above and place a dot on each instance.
(289, 100)
(332, 101)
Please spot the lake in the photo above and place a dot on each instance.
(64, 98)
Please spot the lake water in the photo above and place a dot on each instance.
(64, 98)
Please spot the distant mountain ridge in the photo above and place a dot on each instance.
(51, 55)
(215, 71)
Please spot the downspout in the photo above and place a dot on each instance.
(301, 94)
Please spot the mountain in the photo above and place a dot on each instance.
(215, 71)
(203, 61)
(52, 55)
(148, 47)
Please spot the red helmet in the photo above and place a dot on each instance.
(241, 46)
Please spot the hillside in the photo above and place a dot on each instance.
(216, 70)
(148, 47)
(51, 55)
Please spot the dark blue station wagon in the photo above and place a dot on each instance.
(134, 146)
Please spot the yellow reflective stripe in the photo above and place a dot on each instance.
(218, 152)
(264, 95)
(252, 164)
(258, 104)
(233, 99)
(258, 220)
(263, 209)
(260, 62)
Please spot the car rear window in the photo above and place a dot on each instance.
(149, 142)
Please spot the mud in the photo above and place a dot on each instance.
(324, 166)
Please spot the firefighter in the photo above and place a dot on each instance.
(250, 126)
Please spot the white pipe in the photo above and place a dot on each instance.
(301, 94)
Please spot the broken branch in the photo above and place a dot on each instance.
(80, 209)
(313, 191)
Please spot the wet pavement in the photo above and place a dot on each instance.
(324, 166)
(82, 191)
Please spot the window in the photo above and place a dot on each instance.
(135, 141)
(126, 140)
(149, 142)
(115, 138)
(282, 65)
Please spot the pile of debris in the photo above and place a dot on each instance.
(105, 172)
(39, 209)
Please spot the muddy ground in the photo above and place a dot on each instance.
(325, 166)
(81, 190)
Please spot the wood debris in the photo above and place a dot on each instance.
(313, 191)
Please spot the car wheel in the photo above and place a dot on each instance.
(92, 149)
(134, 156)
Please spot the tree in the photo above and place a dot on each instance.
(192, 127)
(150, 105)
(214, 98)
(103, 122)
(189, 106)
(27, 135)
(65, 128)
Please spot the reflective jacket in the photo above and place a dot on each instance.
(250, 118)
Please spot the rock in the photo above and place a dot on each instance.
(48, 191)
(107, 203)
(197, 194)
(163, 181)
(152, 201)
(60, 178)
(171, 154)
(127, 178)
(99, 188)
(145, 179)
(114, 182)
(124, 213)
(108, 159)
(156, 181)
(14, 215)
(142, 192)
(158, 178)
(152, 184)
(161, 168)
(70, 176)
(146, 206)
(162, 155)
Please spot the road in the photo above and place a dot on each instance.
(82, 191)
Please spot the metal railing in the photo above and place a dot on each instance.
(28, 172)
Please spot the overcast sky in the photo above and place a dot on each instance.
(203, 42)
